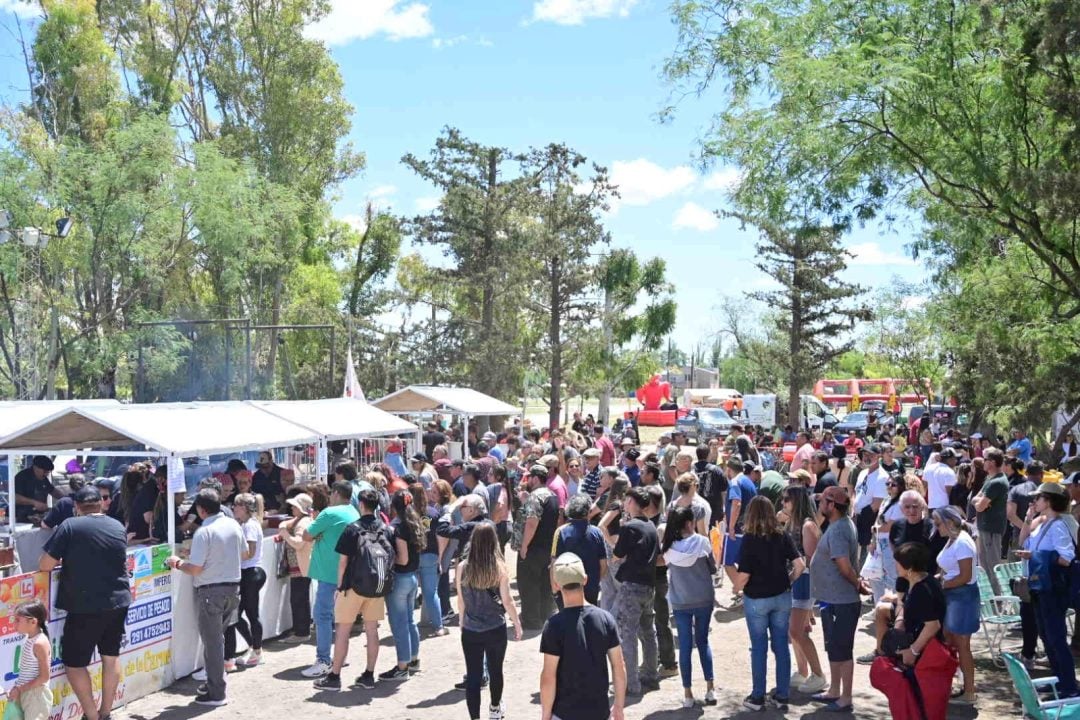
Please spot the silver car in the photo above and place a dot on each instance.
(704, 424)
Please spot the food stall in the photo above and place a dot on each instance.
(428, 400)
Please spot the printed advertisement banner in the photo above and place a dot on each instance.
(145, 656)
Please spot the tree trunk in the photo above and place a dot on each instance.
(489, 381)
(555, 338)
(794, 343)
(605, 395)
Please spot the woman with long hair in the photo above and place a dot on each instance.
(410, 540)
(428, 573)
(838, 464)
(298, 559)
(439, 495)
(129, 488)
(248, 511)
(484, 601)
(956, 563)
(804, 531)
(691, 567)
(610, 508)
(888, 513)
(768, 565)
(961, 491)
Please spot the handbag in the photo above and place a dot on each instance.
(1021, 588)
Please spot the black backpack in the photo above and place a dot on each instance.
(373, 565)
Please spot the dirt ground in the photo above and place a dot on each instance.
(276, 689)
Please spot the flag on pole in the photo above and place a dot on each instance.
(352, 385)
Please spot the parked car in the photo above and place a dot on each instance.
(703, 424)
(855, 421)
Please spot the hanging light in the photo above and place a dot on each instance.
(63, 227)
(5, 219)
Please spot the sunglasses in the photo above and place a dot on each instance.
(574, 465)
(105, 496)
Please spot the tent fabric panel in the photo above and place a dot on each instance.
(428, 398)
(337, 418)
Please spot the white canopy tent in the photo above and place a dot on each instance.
(430, 399)
(17, 414)
(172, 430)
(337, 419)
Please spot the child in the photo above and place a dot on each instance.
(31, 689)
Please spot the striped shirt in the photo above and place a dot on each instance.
(28, 662)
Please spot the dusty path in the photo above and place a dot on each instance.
(277, 690)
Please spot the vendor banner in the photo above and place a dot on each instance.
(145, 655)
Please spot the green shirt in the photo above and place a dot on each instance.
(772, 486)
(327, 529)
(993, 519)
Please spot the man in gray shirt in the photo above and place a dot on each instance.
(835, 582)
(214, 563)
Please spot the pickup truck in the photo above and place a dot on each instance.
(704, 424)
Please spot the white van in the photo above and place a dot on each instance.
(764, 410)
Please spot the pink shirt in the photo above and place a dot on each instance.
(558, 486)
(802, 457)
(607, 450)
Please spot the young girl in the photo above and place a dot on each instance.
(31, 690)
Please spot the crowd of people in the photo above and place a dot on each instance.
(615, 543)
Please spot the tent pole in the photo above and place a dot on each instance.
(170, 500)
(322, 460)
(11, 496)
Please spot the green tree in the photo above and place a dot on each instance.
(814, 309)
(631, 332)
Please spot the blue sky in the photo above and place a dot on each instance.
(520, 73)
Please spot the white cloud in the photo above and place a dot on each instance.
(913, 302)
(870, 253)
(381, 191)
(641, 182)
(350, 20)
(20, 8)
(693, 216)
(575, 12)
(440, 43)
(358, 223)
(426, 204)
(724, 179)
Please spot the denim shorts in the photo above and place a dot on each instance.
(800, 593)
(962, 610)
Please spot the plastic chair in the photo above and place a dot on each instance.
(1010, 571)
(1028, 689)
(997, 613)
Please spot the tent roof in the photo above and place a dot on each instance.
(433, 398)
(18, 414)
(183, 429)
(337, 418)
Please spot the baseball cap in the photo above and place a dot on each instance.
(801, 476)
(591, 452)
(1036, 466)
(665, 436)
(42, 463)
(568, 570)
(489, 435)
(836, 494)
(419, 457)
(627, 441)
(947, 454)
(539, 471)
(87, 495)
(872, 449)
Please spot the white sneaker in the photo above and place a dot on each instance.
(230, 666)
(688, 702)
(797, 679)
(813, 684)
(710, 697)
(252, 659)
(496, 712)
(317, 670)
(199, 675)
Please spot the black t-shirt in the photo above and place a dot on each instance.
(638, 544)
(346, 544)
(269, 486)
(402, 531)
(143, 502)
(63, 509)
(921, 532)
(958, 497)
(924, 603)
(430, 519)
(27, 485)
(431, 439)
(581, 638)
(826, 479)
(766, 560)
(93, 574)
(712, 484)
(615, 525)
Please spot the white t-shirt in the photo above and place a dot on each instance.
(253, 532)
(949, 558)
(938, 477)
(871, 486)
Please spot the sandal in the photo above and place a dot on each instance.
(823, 698)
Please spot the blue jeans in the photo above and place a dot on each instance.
(431, 612)
(323, 614)
(693, 627)
(400, 607)
(768, 619)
